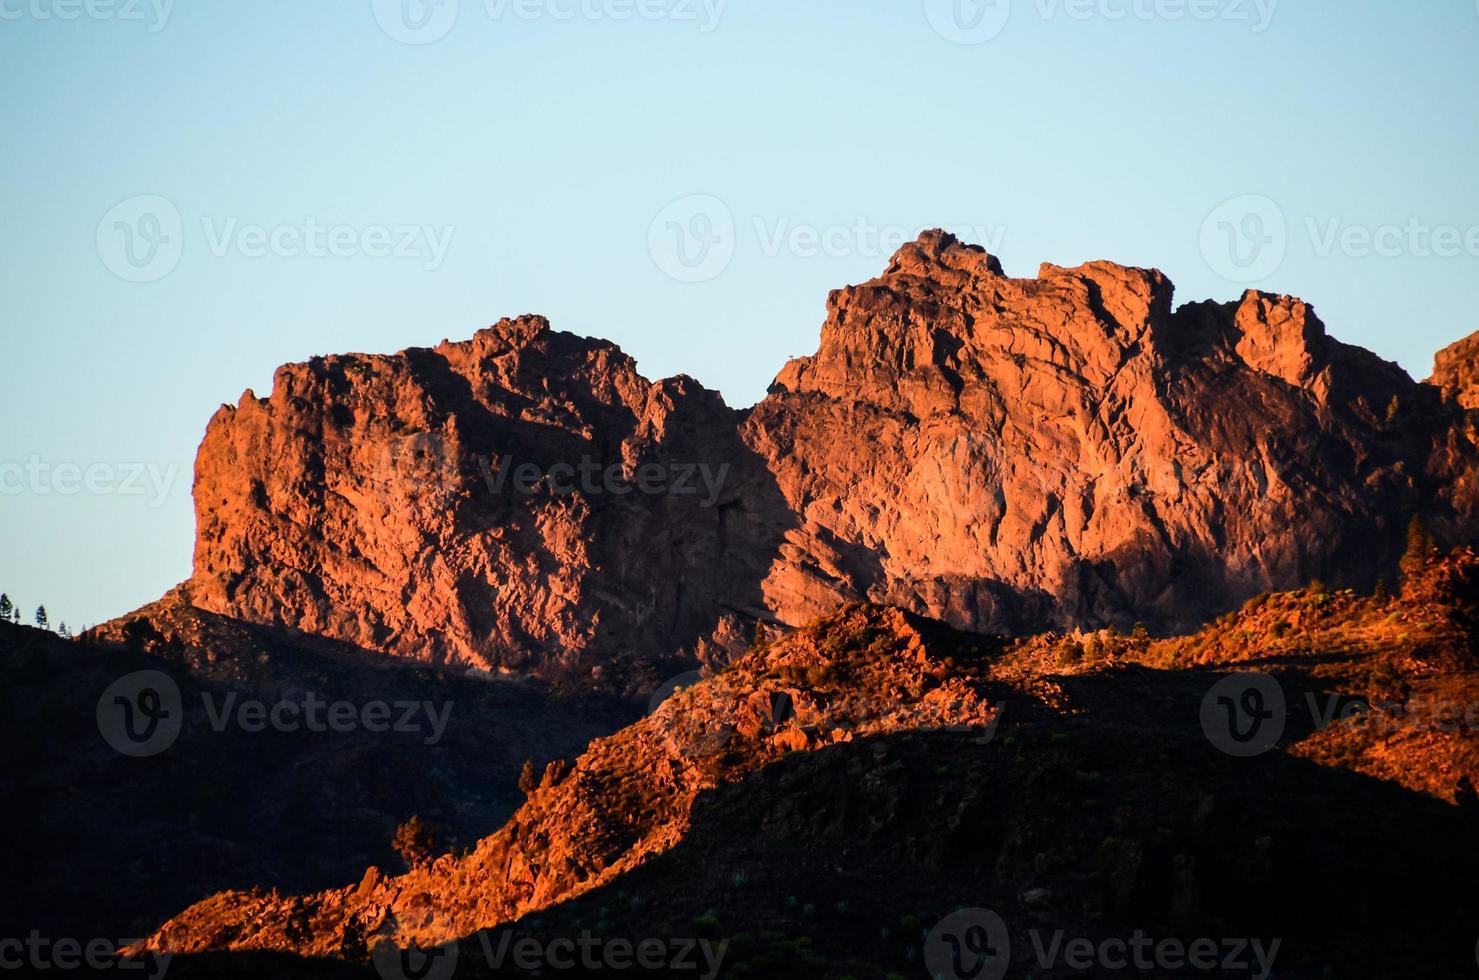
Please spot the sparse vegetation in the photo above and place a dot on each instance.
(416, 842)
(528, 778)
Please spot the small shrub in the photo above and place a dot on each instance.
(528, 778)
(415, 841)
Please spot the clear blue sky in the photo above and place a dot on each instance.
(550, 137)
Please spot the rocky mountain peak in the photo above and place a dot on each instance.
(1000, 453)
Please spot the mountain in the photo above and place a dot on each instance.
(832, 796)
(924, 580)
(1001, 454)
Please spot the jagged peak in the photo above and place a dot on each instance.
(938, 249)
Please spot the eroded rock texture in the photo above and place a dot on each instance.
(999, 453)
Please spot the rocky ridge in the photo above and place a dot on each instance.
(1038, 773)
(999, 453)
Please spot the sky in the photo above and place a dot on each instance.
(195, 193)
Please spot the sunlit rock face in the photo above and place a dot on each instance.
(1003, 454)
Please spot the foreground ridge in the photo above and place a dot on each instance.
(861, 689)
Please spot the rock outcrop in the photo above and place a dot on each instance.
(1456, 371)
(999, 453)
(891, 762)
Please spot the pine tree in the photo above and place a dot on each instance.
(6, 607)
(528, 778)
(415, 841)
(41, 621)
(1420, 547)
(63, 632)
